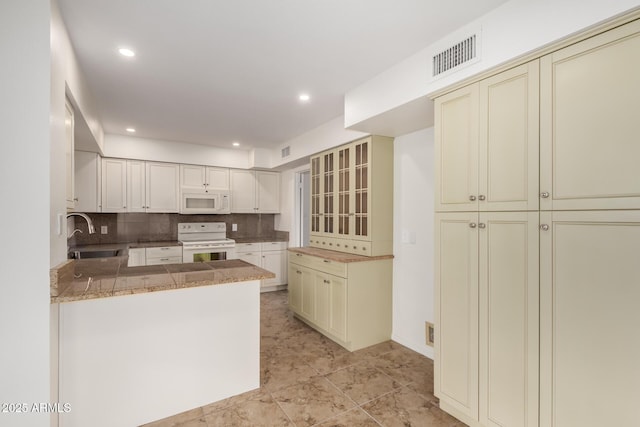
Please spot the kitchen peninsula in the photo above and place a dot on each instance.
(137, 344)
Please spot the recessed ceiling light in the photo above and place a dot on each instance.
(130, 130)
(235, 144)
(126, 52)
(304, 97)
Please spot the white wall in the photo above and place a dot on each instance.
(513, 29)
(131, 147)
(413, 239)
(24, 176)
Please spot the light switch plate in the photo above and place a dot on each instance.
(429, 332)
(103, 229)
(234, 227)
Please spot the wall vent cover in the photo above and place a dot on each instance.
(453, 57)
(285, 151)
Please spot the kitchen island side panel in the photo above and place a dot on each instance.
(134, 359)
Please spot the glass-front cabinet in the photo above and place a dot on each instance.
(345, 216)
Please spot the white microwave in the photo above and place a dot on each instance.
(205, 203)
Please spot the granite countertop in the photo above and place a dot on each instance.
(337, 256)
(76, 280)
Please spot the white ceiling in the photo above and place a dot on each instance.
(216, 71)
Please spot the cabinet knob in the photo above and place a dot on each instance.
(482, 225)
(326, 260)
(544, 195)
(472, 225)
(472, 198)
(544, 227)
(481, 197)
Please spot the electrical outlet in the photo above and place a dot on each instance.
(234, 227)
(103, 229)
(429, 332)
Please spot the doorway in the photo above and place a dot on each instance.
(303, 206)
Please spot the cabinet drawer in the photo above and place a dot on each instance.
(164, 252)
(165, 260)
(274, 246)
(248, 247)
(320, 264)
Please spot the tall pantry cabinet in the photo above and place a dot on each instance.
(537, 280)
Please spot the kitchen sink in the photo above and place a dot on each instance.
(109, 253)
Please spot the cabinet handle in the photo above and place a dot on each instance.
(481, 197)
(298, 272)
(326, 281)
(164, 259)
(164, 249)
(545, 194)
(544, 227)
(326, 260)
(472, 198)
(75, 199)
(298, 254)
(482, 225)
(351, 214)
(472, 225)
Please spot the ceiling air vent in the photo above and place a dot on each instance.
(456, 55)
(285, 151)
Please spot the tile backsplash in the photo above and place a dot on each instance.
(154, 227)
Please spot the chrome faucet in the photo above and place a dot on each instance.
(92, 229)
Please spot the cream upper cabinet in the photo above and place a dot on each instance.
(456, 150)
(509, 140)
(87, 178)
(162, 187)
(203, 178)
(487, 317)
(352, 197)
(114, 185)
(487, 143)
(590, 288)
(138, 186)
(589, 123)
(255, 191)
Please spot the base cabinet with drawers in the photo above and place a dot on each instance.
(345, 297)
(271, 256)
(155, 256)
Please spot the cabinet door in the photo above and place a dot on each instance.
(192, 178)
(346, 203)
(217, 179)
(69, 128)
(136, 186)
(307, 280)
(589, 347)
(251, 257)
(316, 195)
(114, 185)
(87, 179)
(509, 305)
(456, 296)
(162, 187)
(338, 307)
(361, 152)
(268, 192)
(323, 299)
(137, 257)
(508, 150)
(328, 214)
(295, 288)
(274, 261)
(243, 191)
(589, 123)
(456, 150)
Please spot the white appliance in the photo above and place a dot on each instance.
(205, 203)
(205, 241)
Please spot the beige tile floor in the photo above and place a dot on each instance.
(308, 380)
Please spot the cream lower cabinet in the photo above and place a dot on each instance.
(589, 296)
(486, 365)
(349, 302)
(271, 256)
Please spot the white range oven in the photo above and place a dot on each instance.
(205, 241)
